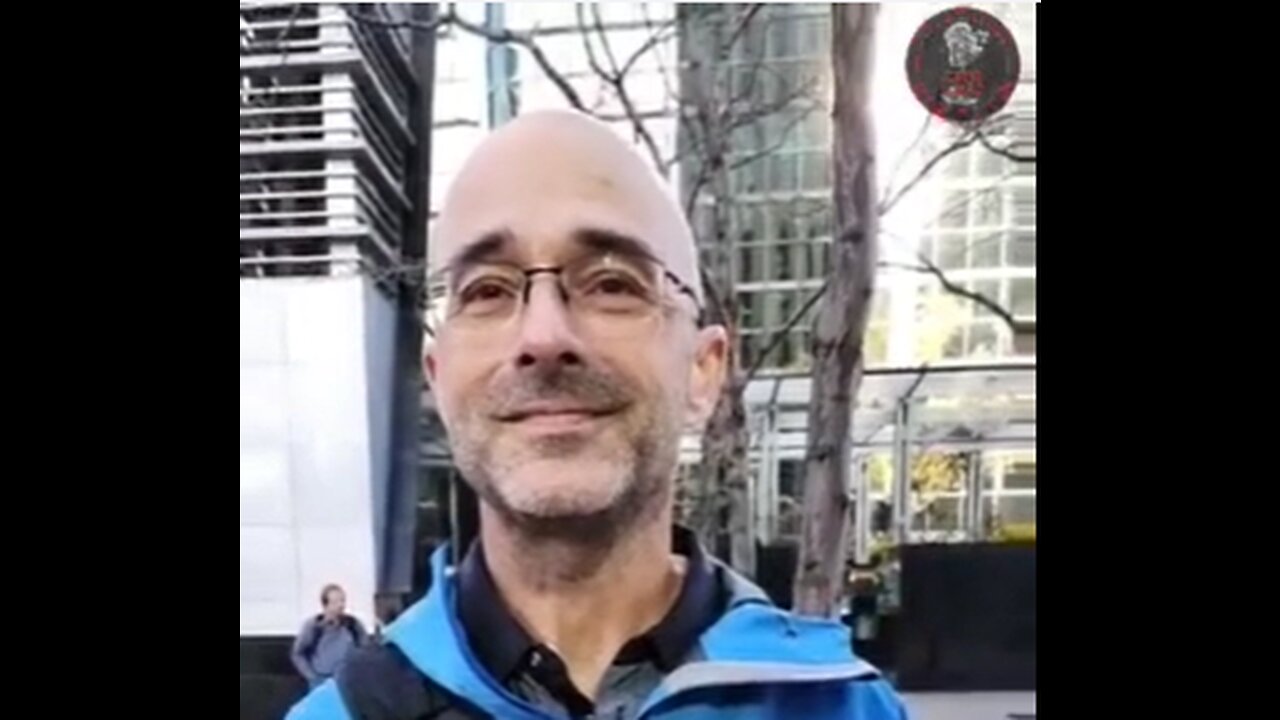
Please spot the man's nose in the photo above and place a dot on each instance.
(546, 332)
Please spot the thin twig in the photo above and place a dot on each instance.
(617, 79)
(1004, 152)
(781, 334)
(525, 40)
(927, 267)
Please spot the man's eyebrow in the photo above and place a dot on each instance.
(490, 244)
(609, 241)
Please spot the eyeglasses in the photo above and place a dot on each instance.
(607, 294)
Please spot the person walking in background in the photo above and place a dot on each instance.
(328, 638)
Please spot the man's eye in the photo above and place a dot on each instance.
(618, 284)
(487, 290)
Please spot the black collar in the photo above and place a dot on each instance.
(504, 647)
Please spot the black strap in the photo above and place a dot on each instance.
(349, 623)
(379, 683)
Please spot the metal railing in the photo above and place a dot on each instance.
(324, 140)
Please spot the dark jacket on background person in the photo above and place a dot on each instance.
(322, 647)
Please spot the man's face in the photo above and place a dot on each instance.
(557, 409)
(335, 603)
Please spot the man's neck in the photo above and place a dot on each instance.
(585, 602)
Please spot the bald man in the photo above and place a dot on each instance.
(569, 359)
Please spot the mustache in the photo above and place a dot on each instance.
(577, 386)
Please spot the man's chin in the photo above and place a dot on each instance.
(562, 503)
(566, 518)
(549, 492)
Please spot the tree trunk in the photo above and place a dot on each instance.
(722, 496)
(725, 485)
(842, 320)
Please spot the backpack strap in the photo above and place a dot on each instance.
(312, 641)
(352, 627)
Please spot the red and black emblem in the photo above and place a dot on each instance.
(963, 65)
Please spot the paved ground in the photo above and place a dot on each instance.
(976, 706)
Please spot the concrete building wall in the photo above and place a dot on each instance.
(314, 446)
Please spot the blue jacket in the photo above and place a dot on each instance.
(757, 663)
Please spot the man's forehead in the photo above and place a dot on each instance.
(546, 178)
(505, 245)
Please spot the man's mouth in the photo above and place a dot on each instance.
(555, 413)
(557, 418)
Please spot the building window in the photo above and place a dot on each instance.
(784, 224)
(984, 341)
(1022, 250)
(951, 252)
(815, 130)
(1022, 297)
(782, 172)
(991, 165)
(955, 213)
(1020, 476)
(988, 210)
(954, 348)
(938, 515)
(786, 352)
(782, 267)
(989, 289)
(786, 309)
(750, 224)
(782, 37)
(820, 224)
(790, 473)
(876, 347)
(1024, 342)
(750, 263)
(957, 164)
(748, 179)
(817, 171)
(751, 310)
(804, 344)
(926, 248)
(1011, 510)
(747, 349)
(1024, 207)
(987, 251)
(818, 254)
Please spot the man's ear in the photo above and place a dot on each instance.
(429, 367)
(707, 374)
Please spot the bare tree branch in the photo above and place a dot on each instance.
(440, 21)
(783, 137)
(1004, 152)
(617, 79)
(666, 33)
(970, 136)
(747, 16)
(927, 267)
(781, 334)
(712, 289)
(889, 203)
(598, 23)
(695, 189)
(902, 159)
(755, 111)
(590, 48)
(525, 40)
